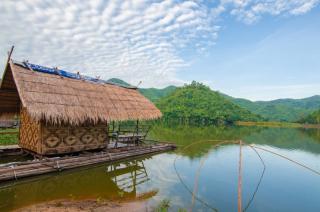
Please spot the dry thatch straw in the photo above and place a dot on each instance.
(58, 100)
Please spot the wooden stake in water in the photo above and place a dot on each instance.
(240, 178)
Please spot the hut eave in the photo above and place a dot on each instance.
(56, 99)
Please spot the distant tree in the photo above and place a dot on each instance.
(196, 103)
(313, 118)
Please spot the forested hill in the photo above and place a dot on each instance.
(313, 118)
(290, 110)
(155, 94)
(197, 103)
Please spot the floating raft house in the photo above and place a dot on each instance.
(62, 112)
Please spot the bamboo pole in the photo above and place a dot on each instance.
(35, 164)
(240, 178)
(47, 169)
(7, 63)
(26, 169)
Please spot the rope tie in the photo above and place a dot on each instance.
(241, 144)
(109, 155)
(58, 166)
(288, 159)
(194, 196)
(14, 172)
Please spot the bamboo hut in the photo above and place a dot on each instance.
(62, 112)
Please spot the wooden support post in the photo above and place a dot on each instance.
(9, 54)
(108, 138)
(137, 139)
(7, 64)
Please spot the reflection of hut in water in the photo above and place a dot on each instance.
(63, 112)
(91, 183)
(127, 175)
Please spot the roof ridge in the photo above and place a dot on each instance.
(67, 74)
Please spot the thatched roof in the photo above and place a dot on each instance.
(58, 99)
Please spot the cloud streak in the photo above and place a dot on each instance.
(133, 40)
(250, 11)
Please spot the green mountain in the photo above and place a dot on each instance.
(282, 109)
(197, 103)
(313, 118)
(155, 94)
(288, 110)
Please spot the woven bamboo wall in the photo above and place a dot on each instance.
(66, 139)
(29, 132)
(46, 139)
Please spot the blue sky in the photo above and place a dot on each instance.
(255, 49)
(278, 57)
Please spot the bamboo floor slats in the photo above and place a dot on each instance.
(10, 150)
(17, 170)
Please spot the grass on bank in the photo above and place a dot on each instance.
(277, 124)
(9, 136)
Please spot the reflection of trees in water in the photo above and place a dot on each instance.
(287, 138)
(119, 180)
(312, 133)
(185, 135)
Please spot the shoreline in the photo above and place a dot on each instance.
(277, 125)
(87, 205)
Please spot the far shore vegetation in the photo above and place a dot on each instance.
(306, 110)
(278, 124)
(196, 104)
(9, 136)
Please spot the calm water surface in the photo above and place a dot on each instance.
(211, 172)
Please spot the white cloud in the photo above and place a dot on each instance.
(250, 11)
(133, 40)
(304, 7)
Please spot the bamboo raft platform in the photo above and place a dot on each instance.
(17, 170)
(9, 150)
